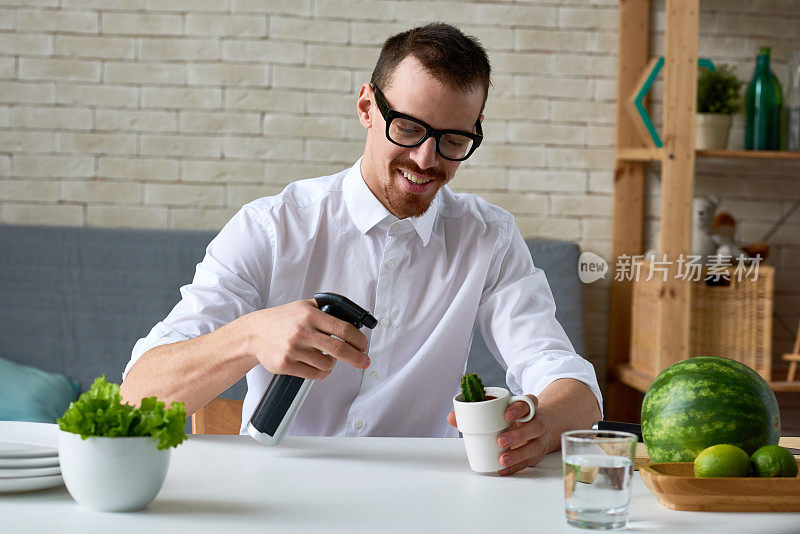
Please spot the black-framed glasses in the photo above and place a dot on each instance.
(408, 132)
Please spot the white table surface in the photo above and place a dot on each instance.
(224, 484)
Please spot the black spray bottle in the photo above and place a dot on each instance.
(285, 394)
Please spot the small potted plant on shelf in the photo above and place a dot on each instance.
(718, 98)
(114, 457)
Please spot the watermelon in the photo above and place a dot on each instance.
(704, 401)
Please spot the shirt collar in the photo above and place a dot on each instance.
(366, 210)
(424, 223)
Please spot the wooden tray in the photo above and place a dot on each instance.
(676, 487)
(643, 459)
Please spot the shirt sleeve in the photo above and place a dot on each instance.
(232, 280)
(516, 317)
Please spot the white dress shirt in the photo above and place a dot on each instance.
(428, 280)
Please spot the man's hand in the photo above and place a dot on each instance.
(527, 442)
(291, 339)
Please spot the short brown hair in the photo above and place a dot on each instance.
(455, 59)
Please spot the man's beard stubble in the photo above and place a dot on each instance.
(407, 204)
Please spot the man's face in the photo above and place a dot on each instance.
(405, 180)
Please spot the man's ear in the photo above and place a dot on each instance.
(364, 105)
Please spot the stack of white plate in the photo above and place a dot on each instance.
(28, 456)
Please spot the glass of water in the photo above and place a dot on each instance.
(598, 469)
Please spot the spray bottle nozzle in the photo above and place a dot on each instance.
(345, 309)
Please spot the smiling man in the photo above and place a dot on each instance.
(406, 177)
(388, 234)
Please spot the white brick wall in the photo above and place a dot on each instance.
(172, 113)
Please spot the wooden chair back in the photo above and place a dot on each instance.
(793, 357)
(220, 416)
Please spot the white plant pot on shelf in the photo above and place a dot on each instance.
(712, 131)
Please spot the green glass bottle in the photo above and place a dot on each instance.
(763, 107)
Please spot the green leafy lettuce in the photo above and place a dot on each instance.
(101, 412)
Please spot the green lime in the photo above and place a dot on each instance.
(773, 461)
(722, 461)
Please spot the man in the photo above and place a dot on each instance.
(390, 236)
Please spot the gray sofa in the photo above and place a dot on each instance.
(75, 300)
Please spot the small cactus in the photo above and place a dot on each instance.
(472, 388)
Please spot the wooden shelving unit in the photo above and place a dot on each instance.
(657, 154)
(641, 381)
(677, 157)
(750, 154)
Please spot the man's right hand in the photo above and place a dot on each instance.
(291, 339)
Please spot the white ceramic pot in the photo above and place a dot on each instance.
(712, 131)
(112, 474)
(480, 424)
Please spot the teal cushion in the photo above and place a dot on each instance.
(31, 394)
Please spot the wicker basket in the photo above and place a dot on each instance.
(734, 321)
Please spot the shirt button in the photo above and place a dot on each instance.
(358, 424)
(390, 264)
(384, 322)
(395, 227)
(374, 375)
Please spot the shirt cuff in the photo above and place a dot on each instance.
(555, 365)
(160, 334)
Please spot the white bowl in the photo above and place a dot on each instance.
(112, 474)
